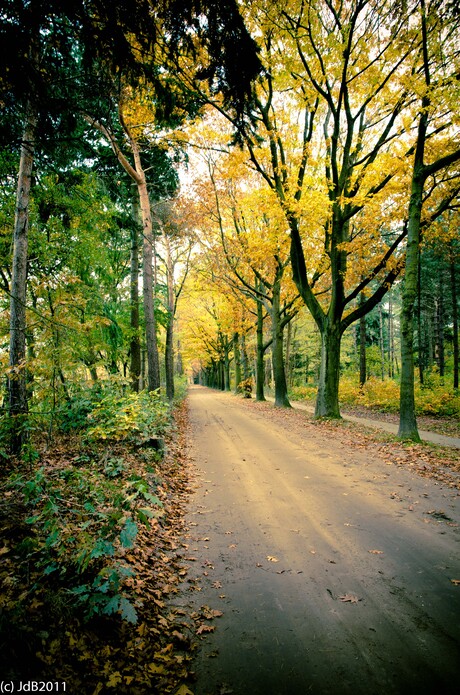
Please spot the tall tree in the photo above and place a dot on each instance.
(103, 41)
(437, 28)
(328, 109)
(17, 380)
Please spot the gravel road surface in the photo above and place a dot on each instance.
(335, 570)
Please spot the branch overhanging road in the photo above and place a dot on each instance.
(333, 569)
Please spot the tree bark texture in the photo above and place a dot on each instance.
(279, 373)
(327, 402)
(17, 381)
(407, 420)
(260, 366)
(453, 289)
(362, 348)
(135, 344)
(169, 344)
(237, 358)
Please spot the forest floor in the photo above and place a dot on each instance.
(291, 556)
(448, 426)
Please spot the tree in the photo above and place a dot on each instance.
(323, 133)
(43, 42)
(435, 109)
(17, 385)
(137, 173)
(177, 248)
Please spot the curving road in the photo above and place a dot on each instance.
(333, 568)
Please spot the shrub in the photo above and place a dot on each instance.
(433, 398)
(81, 521)
(134, 417)
(303, 393)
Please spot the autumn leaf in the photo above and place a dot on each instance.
(455, 582)
(271, 558)
(205, 628)
(156, 669)
(376, 552)
(114, 679)
(349, 598)
(210, 613)
(217, 585)
(183, 690)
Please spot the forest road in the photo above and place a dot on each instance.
(333, 568)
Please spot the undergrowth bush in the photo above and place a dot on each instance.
(131, 417)
(303, 393)
(83, 510)
(82, 517)
(433, 398)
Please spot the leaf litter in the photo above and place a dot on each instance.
(152, 648)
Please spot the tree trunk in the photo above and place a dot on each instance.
(421, 357)
(137, 174)
(327, 401)
(287, 359)
(260, 366)
(179, 367)
(440, 326)
(227, 370)
(17, 381)
(135, 343)
(407, 420)
(153, 363)
(362, 348)
(382, 343)
(391, 339)
(244, 359)
(237, 359)
(453, 289)
(279, 373)
(169, 344)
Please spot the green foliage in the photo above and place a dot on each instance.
(82, 518)
(180, 388)
(74, 416)
(133, 417)
(436, 397)
(104, 595)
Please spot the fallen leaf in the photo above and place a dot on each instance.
(183, 690)
(455, 582)
(271, 558)
(114, 679)
(205, 628)
(349, 598)
(376, 552)
(217, 585)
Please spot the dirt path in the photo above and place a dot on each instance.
(334, 571)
